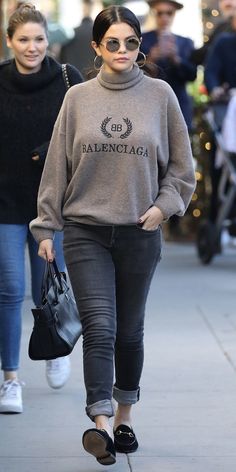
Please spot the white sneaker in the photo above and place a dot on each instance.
(58, 371)
(11, 397)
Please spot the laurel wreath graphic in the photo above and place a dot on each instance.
(129, 128)
(122, 136)
(103, 127)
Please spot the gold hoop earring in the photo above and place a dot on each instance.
(97, 66)
(144, 58)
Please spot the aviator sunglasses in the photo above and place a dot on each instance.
(113, 44)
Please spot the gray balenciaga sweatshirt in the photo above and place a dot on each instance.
(119, 146)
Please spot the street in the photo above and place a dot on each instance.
(186, 418)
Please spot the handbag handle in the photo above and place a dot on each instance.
(57, 273)
(51, 272)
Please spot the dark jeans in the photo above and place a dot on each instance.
(110, 269)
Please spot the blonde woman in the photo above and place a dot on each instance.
(32, 89)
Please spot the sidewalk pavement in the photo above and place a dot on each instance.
(186, 418)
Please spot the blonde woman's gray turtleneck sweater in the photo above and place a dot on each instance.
(119, 146)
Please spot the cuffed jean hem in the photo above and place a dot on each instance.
(10, 369)
(126, 397)
(103, 407)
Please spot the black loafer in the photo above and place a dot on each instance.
(98, 443)
(125, 439)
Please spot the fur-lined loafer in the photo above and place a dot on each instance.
(98, 443)
(125, 439)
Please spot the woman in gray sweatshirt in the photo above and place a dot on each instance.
(119, 163)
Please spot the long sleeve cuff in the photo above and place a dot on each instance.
(40, 234)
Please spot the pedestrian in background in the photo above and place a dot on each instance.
(119, 164)
(78, 50)
(32, 89)
(220, 78)
(171, 53)
(220, 64)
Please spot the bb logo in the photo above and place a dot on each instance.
(108, 129)
(117, 128)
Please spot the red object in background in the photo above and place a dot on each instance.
(203, 90)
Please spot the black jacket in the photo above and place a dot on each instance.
(79, 51)
(220, 65)
(29, 105)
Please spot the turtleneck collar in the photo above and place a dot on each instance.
(13, 80)
(120, 81)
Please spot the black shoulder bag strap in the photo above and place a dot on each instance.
(65, 76)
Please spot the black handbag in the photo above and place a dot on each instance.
(57, 326)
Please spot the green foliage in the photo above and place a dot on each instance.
(107, 3)
(198, 90)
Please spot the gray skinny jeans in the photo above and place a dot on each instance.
(111, 269)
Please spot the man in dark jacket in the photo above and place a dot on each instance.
(171, 53)
(220, 65)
